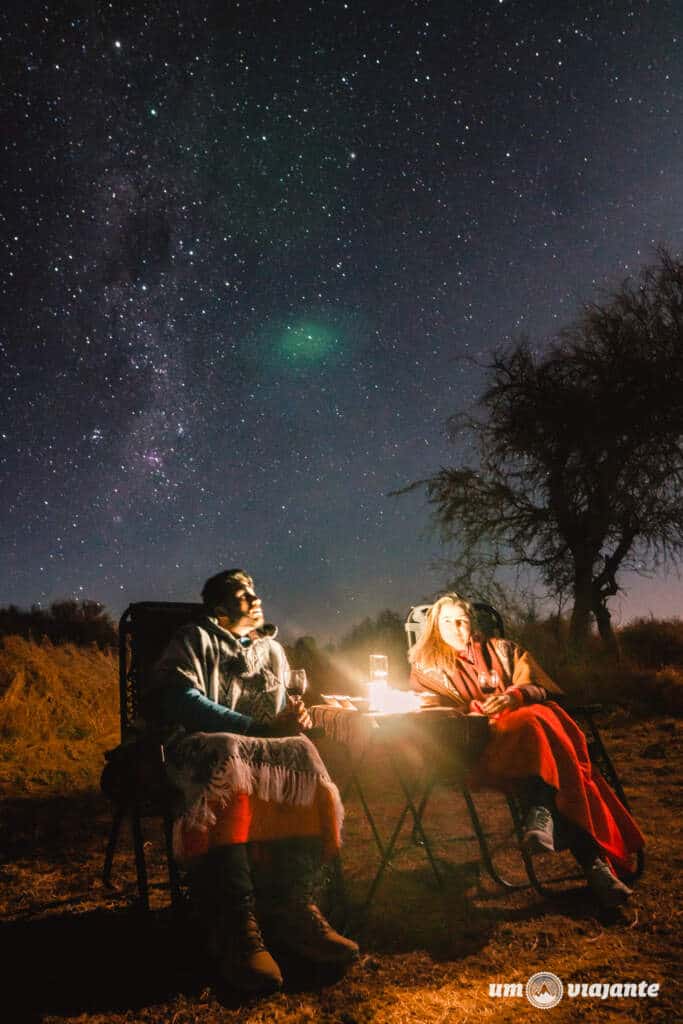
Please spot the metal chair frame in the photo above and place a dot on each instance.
(144, 630)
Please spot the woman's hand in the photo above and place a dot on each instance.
(496, 703)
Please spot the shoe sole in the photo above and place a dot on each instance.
(320, 962)
(612, 900)
(612, 905)
(315, 956)
(250, 990)
(263, 985)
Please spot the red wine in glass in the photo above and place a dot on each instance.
(488, 682)
(297, 682)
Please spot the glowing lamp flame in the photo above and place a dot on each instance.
(384, 700)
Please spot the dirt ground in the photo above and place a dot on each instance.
(73, 951)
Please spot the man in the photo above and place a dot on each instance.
(228, 671)
(245, 772)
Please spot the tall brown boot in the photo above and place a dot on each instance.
(243, 961)
(222, 887)
(296, 923)
(302, 928)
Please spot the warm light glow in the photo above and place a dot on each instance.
(384, 700)
(379, 667)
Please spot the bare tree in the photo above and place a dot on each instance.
(580, 453)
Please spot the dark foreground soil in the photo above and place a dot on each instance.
(73, 951)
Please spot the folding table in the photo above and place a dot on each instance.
(423, 748)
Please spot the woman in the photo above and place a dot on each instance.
(535, 746)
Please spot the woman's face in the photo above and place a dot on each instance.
(455, 626)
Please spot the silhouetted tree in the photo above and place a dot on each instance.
(580, 455)
(322, 678)
(67, 621)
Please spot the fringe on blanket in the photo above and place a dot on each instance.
(242, 765)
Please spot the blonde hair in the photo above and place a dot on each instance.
(430, 650)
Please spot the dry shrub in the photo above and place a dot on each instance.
(648, 675)
(667, 685)
(58, 712)
(653, 643)
(546, 639)
(608, 682)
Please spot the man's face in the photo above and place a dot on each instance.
(244, 612)
(455, 626)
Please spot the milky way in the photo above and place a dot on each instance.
(254, 253)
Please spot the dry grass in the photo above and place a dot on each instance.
(625, 685)
(91, 958)
(58, 713)
(653, 643)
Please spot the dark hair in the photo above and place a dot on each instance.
(220, 589)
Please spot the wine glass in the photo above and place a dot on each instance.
(379, 668)
(297, 682)
(488, 682)
(378, 685)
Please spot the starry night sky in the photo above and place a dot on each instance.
(252, 252)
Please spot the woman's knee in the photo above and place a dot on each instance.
(523, 720)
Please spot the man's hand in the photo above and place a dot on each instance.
(497, 703)
(292, 720)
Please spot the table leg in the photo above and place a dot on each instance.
(353, 782)
(417, 815)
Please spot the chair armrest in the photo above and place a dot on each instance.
(571, 708)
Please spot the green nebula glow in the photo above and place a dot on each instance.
(308, 342)
(304, 344)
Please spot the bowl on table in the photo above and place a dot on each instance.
(338, 700)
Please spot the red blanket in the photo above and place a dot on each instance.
(542, 740)
(246, 819)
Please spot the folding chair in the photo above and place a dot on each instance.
(490, 623)
(134, 776)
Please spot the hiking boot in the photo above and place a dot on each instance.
(539, 831)
(302, 929)
(243, 961)
(609, 890)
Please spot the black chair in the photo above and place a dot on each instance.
(490, 623)
(134, 777)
